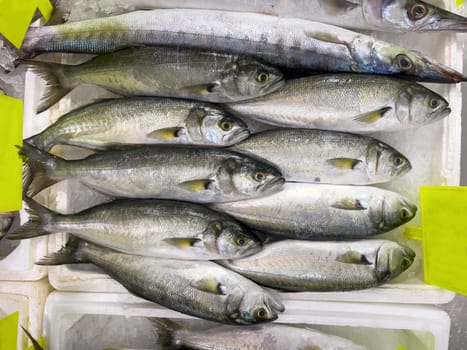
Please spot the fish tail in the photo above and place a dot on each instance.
(39, 141)
(34, 342)
(57, 83)
(68, 254)
(39, 219)
(37, 173)
(166, 330)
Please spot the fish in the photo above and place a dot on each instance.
(143, 120)
(197, 288)
(283, 42)
(300, 266)
(388, 16)
(323, 212)
(347, 102)
(330, 157)
(6, 220)
(162, 71)
(157, 228)
(271, 336)
(184, 173)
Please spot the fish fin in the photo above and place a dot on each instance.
(196, 185)
(34, 342)
(36, 173)
(202, 89)
(344, 163)
(348, 204)
(53, 75)
(68, 254)
(209, 285)
(182, 242)
(353, 257)
(167, 134)
(373, 116)
(337, 7)
(39, 216)
(326, 37)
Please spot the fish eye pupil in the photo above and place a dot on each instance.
(260, 176)
(434, 103)
(417, 11)
(241, 241)
(404, 62)
(398, 161)
(404, 213)
(226, 125)
(261, 313)
(262, 77)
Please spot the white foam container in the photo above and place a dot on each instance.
(102, 320)
(28, 299)
(434, 151)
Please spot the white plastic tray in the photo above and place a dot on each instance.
(100, 320)
(434, 151)
(27, 298)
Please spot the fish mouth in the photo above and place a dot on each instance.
(439, 73)
(275, 86)
(447, 21)
(404, 169)
(441, 113)
(238, 136)
(274, 184)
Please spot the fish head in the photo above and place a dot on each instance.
(211, 126)
(417, 106)
(249, 177)
(390, 210)
(385, 163)
(230, 240)
(412, 15)
(391, 59)
(392, 259)
(253, 306)
(251, 79)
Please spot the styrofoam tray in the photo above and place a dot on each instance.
(434, 151)
(28, 299)
(102, 320)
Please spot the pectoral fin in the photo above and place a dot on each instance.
(372, 116)
(203, 89)
(182, 242)
(353, 257)
(337, 7)
(167, 134)
(209, 285)
(348, 204)
(344, 163)
(196, 185)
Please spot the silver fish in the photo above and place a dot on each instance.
(305, 155)
(6, 219)
(391, 16)
(256, 337)
(347, 102)
(325, 266)
(104, 125)
(286, 42)
(330, 212)
(184, 173)
(198, 288)
(157, 228)
(162, 71)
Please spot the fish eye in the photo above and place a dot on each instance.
(405, 264)
(261, 313)
(404, 63)
(398, 161)
(262, 77)
(434, 103)
(241, 241)
(417, 11)
(226, 125)
(260, 176)
(404, 213)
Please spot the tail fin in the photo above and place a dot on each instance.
(38, 142)
(34, 342)
(38, 171)
(66, 255)
(56, 86)
(39, 218)
(166, 330)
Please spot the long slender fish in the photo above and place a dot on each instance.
(163, 71)
(319, 156)
(198, 288)
(111, 123)
(329, 212)
(391, 16)
(183, 173)
(257, 337)
(158, 228)
(325, 266)
(347, 102)
(286, 42)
